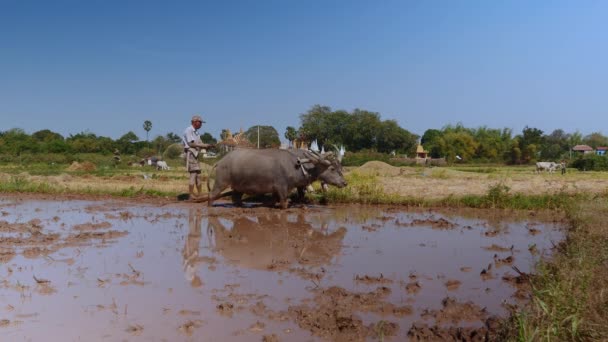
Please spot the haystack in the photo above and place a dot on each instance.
(379, 168)
(84, 166)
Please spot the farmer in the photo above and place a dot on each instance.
(192, 147)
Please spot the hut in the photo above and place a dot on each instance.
(582, 149)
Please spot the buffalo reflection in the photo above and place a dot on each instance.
(273, 241)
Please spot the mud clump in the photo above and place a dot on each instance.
(270, 338)
(366, 279)
(423, 332)
(225, 309)
(93, 226)
(454, 312)
(413, 287)
(334, 316)
(6, 255)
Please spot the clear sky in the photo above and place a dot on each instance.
(106, 66)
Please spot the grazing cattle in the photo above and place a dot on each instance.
(546, 166)
(255, 172)
(162, 165)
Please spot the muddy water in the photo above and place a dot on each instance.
(110, 271)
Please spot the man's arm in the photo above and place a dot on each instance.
(199, 144)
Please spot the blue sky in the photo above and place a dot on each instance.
(106, 66)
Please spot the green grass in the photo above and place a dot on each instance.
(570, 301)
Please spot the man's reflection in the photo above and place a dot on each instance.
(191, 248)
(274, 241)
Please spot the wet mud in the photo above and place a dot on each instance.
(113, 270)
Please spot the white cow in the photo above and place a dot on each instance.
(546, 166)
(162, 165)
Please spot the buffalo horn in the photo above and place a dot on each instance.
(314, 157)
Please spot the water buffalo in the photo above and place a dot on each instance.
(332, 176)
(254, 172)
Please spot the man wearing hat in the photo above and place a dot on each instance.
(192, 147)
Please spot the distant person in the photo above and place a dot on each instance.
(562, 166)
(116, 156)
(192, 147)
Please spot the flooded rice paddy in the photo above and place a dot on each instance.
(113, 271)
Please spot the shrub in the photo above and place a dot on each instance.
(591, 162)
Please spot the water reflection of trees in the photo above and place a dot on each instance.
(274, 241)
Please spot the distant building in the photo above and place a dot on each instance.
(421, 153)
(582, 149)
(601, 150)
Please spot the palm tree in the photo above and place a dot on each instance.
(147, 128)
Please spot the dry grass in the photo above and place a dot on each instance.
(437, 183)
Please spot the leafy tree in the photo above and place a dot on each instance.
(160, 143)
(48, 141)
(172, 137)
(391, 137)
(358, 130)
(430, 141)
(15, 141)
(362, 130)
(575, 138)
(595, 139)
(530, 141)
(555, 145)
(126, 143)
(268, 136)
(315, 124)
(46, 135)
(173, 151)
(492, 143)
(458, 143)
(207, 138)
(513, 156)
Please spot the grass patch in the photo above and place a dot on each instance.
(22, 184)
(571, 291)
(362, 188)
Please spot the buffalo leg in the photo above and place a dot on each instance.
(237, 198)
(283, 199)
(215, 194)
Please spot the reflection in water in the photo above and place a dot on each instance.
(316, 257)
(274, 241)
(190, 252)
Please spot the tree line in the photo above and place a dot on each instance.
(362, 130)
(358, 130)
